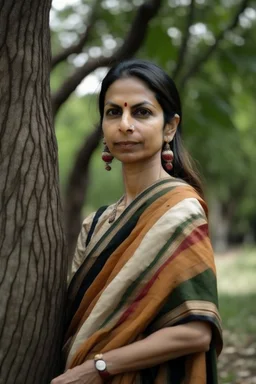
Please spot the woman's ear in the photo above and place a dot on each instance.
(171, 128)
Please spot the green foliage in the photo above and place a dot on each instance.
(73, 124)
(218, 100)
(157, 38)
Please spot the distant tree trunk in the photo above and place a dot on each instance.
(33, 266)
(78, 181)
(220, 226)
(76, 190)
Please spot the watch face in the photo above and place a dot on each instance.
(100, 365)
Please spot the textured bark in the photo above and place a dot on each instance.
(32, 273)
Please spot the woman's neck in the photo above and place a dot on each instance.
(139, 177)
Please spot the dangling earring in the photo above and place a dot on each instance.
(167, 156)
(107, 156)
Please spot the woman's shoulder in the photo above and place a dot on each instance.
(91, 225)
(189, 199)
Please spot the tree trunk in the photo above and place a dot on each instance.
(33, 267)
(220, 226)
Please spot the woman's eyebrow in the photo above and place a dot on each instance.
(142, 103)
(112, 104)
(133, 106)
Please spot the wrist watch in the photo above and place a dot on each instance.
(101, 366)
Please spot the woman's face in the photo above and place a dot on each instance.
(129, 102)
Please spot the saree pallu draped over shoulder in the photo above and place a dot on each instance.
(152, 268)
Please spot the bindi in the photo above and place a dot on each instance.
(125, 104)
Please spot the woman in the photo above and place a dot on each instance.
(142, 302)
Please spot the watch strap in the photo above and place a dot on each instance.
(104, 374)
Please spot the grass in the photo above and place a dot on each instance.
(236, 271)
(239, 314)
(237, 297)
(237, 290)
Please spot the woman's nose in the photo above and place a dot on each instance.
(126, 123)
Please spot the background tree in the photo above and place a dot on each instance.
(207, 46)
(78, 180)
(33, 265)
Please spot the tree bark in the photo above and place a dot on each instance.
(33, 266)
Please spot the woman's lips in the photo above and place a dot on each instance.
(126, 144)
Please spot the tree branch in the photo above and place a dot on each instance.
(84, 37)
(130, 46)
(185, 40)
(75, 48)
(76, 189)
(201, 60)
(79, 178)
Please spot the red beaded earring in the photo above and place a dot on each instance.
(167, 156)
(106, 156)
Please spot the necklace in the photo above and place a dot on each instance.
(112, 216)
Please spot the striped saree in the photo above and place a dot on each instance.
(152, 268)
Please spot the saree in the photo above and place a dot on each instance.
(152, 268)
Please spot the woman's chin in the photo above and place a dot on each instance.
(129, 158)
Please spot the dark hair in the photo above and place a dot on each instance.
(167, 96)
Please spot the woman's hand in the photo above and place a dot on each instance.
(82, 374)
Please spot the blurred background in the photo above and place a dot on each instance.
(208, 47)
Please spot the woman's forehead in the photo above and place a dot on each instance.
(129, 90)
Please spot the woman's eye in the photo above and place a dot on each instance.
(142, 112)
(113, 112)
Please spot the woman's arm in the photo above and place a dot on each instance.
(163, 345)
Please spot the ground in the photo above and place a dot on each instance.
(237, 296)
